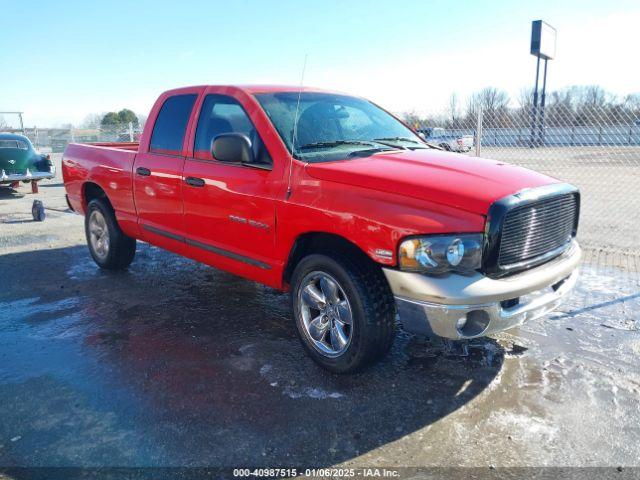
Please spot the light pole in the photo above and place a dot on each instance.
(543, 46)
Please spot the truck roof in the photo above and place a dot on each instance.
(251, 89)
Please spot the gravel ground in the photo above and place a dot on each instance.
(173, 363)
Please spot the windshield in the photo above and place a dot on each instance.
(332, 127)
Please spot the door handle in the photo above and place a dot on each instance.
(194, 181)
(145, 172)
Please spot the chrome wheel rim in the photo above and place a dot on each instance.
(99, 235)
(325, 314)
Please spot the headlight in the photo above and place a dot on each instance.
(441, 253)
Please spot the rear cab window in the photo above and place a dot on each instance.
(169, 130)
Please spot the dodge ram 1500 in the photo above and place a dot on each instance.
(330, 197)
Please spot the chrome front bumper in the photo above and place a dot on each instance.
(459, 306)
(28, 175)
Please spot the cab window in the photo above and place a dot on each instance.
(171, 124)
(223, 114)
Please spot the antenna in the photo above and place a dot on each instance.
(295, 127)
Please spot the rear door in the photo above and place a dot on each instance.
(157, 173)
(229, 209)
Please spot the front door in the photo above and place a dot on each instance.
(229, 209)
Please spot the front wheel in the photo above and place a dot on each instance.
(344, 311)
(110, 248)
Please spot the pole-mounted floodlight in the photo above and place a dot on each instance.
(543, 45)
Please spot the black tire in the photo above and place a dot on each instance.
(445, 146)
(372, 306)
(121, 248)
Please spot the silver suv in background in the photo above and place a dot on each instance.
(447, 141)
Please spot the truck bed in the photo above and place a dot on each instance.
(109, 164)
(131, 146)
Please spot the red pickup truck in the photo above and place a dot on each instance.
(332, 198)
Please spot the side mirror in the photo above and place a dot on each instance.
(232, 147)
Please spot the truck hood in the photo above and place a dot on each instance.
(468, 183)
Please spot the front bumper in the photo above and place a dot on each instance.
(27, 175)
(459, 306)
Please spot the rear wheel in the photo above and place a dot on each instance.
(344, 311)
(109, 246)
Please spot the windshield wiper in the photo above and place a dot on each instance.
(334, 143)
(397, 139)
(433, 145)
(370, 151)
(404, 139)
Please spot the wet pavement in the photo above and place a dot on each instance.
(173, 363)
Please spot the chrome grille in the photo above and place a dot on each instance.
(533, 230)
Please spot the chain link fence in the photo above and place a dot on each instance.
(55, 140)
(595, 148)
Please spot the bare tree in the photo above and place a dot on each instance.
(632, 101)
(564, 98)
(412, 119)
(92, 120)
(524, 112)
(493, 99)
(578, 105)
(632, 105)
(593, 96)
(3, 123)
(525, 98)
(561, 106)
(494, 103)
(591, 102)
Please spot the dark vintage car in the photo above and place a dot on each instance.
(19, 161)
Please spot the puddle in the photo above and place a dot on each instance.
(32, 309)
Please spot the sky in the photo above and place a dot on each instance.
(61, 60)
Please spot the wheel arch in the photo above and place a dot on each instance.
(91, 191)
(322, 243)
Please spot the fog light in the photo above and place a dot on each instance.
(461, 322)
(477, 321)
